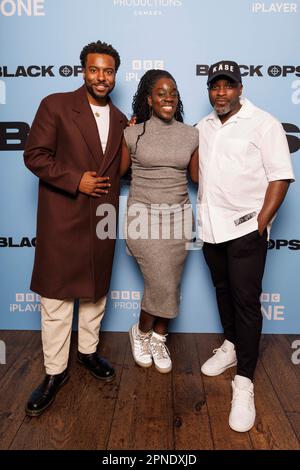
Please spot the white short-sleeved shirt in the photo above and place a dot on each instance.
(237, 160)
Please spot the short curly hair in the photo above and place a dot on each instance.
(100, 47)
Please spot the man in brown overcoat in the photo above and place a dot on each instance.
(74, 149)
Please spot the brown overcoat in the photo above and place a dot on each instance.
(70, 261)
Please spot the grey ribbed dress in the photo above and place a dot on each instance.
(157, 235)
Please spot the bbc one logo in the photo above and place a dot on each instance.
(126, 300)
(22, 7)
(258, 70)
(152, 8)
(270, 308)
(26, 302)
(140, 66)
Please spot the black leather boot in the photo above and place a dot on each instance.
(98, 367)
(43, 396)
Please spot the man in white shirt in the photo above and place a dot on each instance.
(244, 174)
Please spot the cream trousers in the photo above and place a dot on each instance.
(57, 318)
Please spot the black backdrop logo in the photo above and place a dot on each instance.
(293, 140)
(65, 71)
(31, 71)
(257, 70)
(34, 71)
(11, 242)
(13, 135)
(283, 70)
(281, 243)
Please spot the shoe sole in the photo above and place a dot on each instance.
(213, 374)
(33, 413)
(163, 371)
(242, 429)
(141, 364)
(102, 379)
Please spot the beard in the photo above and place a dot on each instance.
(96, 95)
(222, 110)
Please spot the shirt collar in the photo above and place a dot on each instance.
(245, 112)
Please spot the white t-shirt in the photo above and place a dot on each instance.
(101, 114)
(237, 160)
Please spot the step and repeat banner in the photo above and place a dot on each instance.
(40, 45)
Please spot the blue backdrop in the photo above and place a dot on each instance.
(40, 45)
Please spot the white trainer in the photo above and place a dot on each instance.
(242, 414)
(140, 345)
(223, 358)
(160, 353)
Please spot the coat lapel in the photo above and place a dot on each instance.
(85, 121)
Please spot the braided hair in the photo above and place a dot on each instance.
(140, 106)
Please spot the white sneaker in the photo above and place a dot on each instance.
(242, 415)
(140, 345)
(223, 358)
(160, 353)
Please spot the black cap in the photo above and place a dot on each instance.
(225, 68)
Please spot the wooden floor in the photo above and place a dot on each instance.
(143, 409)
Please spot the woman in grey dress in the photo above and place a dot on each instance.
(160, 150)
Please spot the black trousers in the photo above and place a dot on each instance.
(237, 268)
